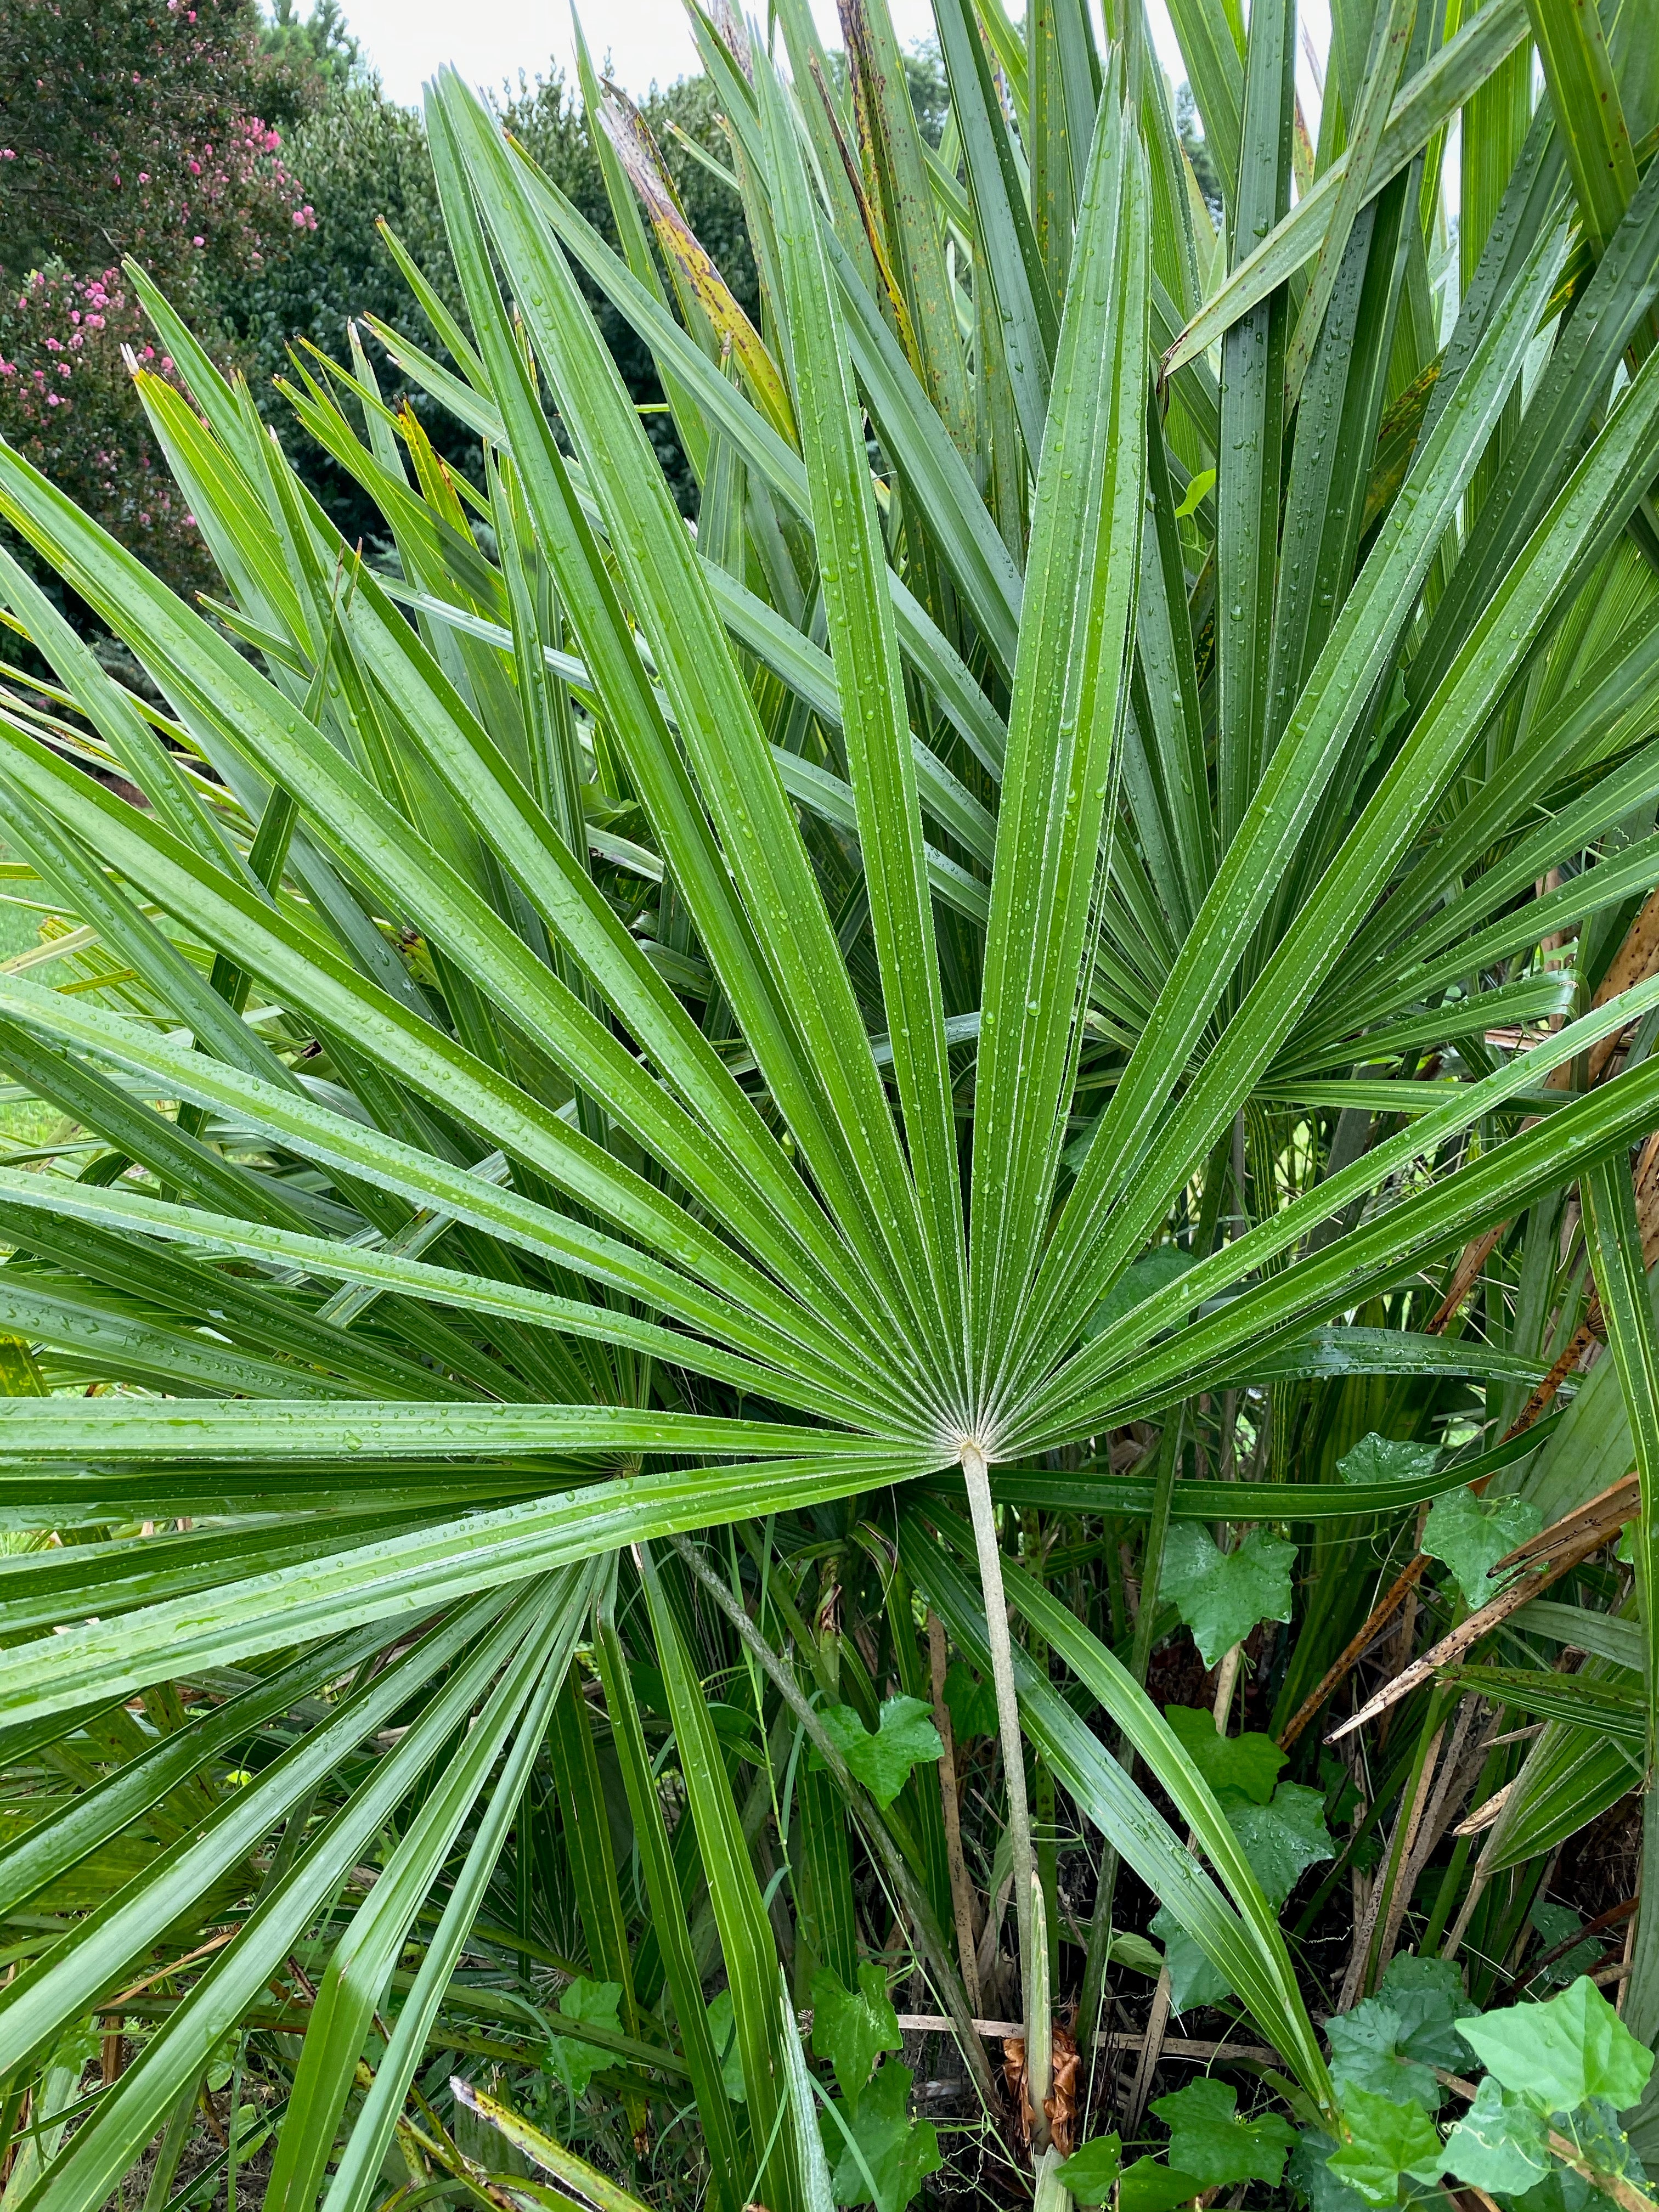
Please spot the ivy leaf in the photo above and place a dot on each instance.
(1367, 2053)
(1248, 1763)
(1558, 2056)
(1392, 2043)
(1471, 1536)
(1208, 2139)
(971, 1704)
(1555, 1922)
(1220, 1595)
(1309, 2171)
(1428, 1996)
(1500, 2143)
(882, 1762)
(1562, 2189)
(1148, 2185)
(1282, 1840)
(1386, 2140)
(852, 2032)
(1386, 1459)
(1134, 1952)
(723, 2034)
(899, 2152)
(1164, 1264)
(576, 2063)
(1090, 2173)
(1193, 1979)
(1596, 2132)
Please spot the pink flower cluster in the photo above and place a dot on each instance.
(227, 198)
(146, 140)
(64, 383)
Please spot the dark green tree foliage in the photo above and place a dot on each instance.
(146, 127)
(320, 49)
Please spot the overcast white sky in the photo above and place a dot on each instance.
(491, 41)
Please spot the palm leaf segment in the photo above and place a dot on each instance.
(786, 973)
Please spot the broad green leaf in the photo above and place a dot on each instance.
(1280, 1840)
(1554, 1924)
(1194, 1979)
(1221, 1596)
(1091, 2171)
(1309, 2171)
(1152, 1272)
(1385, 2140)
(1429, 1999)
(1386, 1459)
(904, 1735)
(723, 2035)
(1500, 2142)
(1208, 2140)
(1560, 2055)
(852, 2031)
(575, 2062)
(971, 1703)
(897, 2153)
(1248, 1764)
(1283, 1838)
(1370, 2051)
(1149, 2186)
(1471, 1535)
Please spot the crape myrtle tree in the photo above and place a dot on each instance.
(840, 1382)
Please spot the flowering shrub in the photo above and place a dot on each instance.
(126, 126)
(66, 402)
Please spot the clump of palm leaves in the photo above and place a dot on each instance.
(722, 1180)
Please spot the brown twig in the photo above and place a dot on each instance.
(1377, 1618)
(1543, 1559)
(1152, 2050)
(1614, 1917)
(962, 1887)
(173, 1967)
(1465, 1276)
(1583, 1337)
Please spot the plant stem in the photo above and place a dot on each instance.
(976, 1475)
